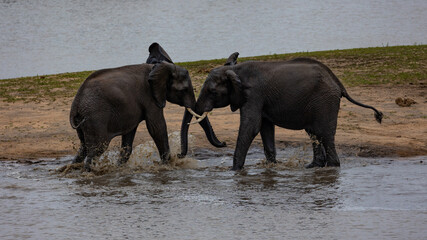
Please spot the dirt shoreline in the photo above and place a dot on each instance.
(42, 130)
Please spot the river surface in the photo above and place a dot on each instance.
(200, 198)
(52, 36)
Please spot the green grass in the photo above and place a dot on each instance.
(354, 67)
(41, 88)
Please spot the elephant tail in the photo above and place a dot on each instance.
(76, 119)
(378, 115)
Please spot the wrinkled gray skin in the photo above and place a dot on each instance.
(298, 94)
(112, 102)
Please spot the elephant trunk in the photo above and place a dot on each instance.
(210, 134)
(205, 124)
(184, 133)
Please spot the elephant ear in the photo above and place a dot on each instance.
(232, 59)
(157, 54)
(238, 93)
(158, 79)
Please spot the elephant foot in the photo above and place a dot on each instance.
(78, 159)
(88, 168)
(314, 165)
(235, 168)
(122, 162)
(166, 160)
(333, 164)
(271, 161)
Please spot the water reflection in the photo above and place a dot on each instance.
(293, 189)
(319, 179)
(269, 179)
(356, 201)
(162, 178)
(7, 2)
(110, 180)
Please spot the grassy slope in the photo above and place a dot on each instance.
(362, 66)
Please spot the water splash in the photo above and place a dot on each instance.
(296, 159)
(144, 158)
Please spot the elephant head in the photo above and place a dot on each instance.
(172, 83)
(179, 90)
(168, 81)
(222, 88)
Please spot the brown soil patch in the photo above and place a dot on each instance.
(42, 130)
(404, 102)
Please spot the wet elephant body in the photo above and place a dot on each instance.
(298, 94)
(112, 102)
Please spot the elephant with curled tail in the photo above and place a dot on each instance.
(298, 94)
(112, 102)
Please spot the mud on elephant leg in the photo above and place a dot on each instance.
(327, 140)
(126, 150)
(267, 136)
(332, 159)
(94, 151)
(81, 155)
(319, 155)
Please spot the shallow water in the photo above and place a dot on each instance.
(199, 198)
(52, 36)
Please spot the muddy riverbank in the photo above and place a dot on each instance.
(41, 129)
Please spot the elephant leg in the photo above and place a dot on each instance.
(94, 151)
(250, 124)
(332, 159)
(319, 155)
(328, 138)
(97, 140)
(267, 136)
(156, 126)
(81, 155)
(325, 128)
(327, 142)
(127, 142)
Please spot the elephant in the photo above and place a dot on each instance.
(112, 102)
(301, 93)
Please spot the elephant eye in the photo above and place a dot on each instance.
(179, 87)
(180, 90)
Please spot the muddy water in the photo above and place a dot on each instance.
(199, 198)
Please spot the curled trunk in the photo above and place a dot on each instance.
(205, 124)
(210, 134)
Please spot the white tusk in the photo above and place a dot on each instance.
(200, 119)
(193, 113)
